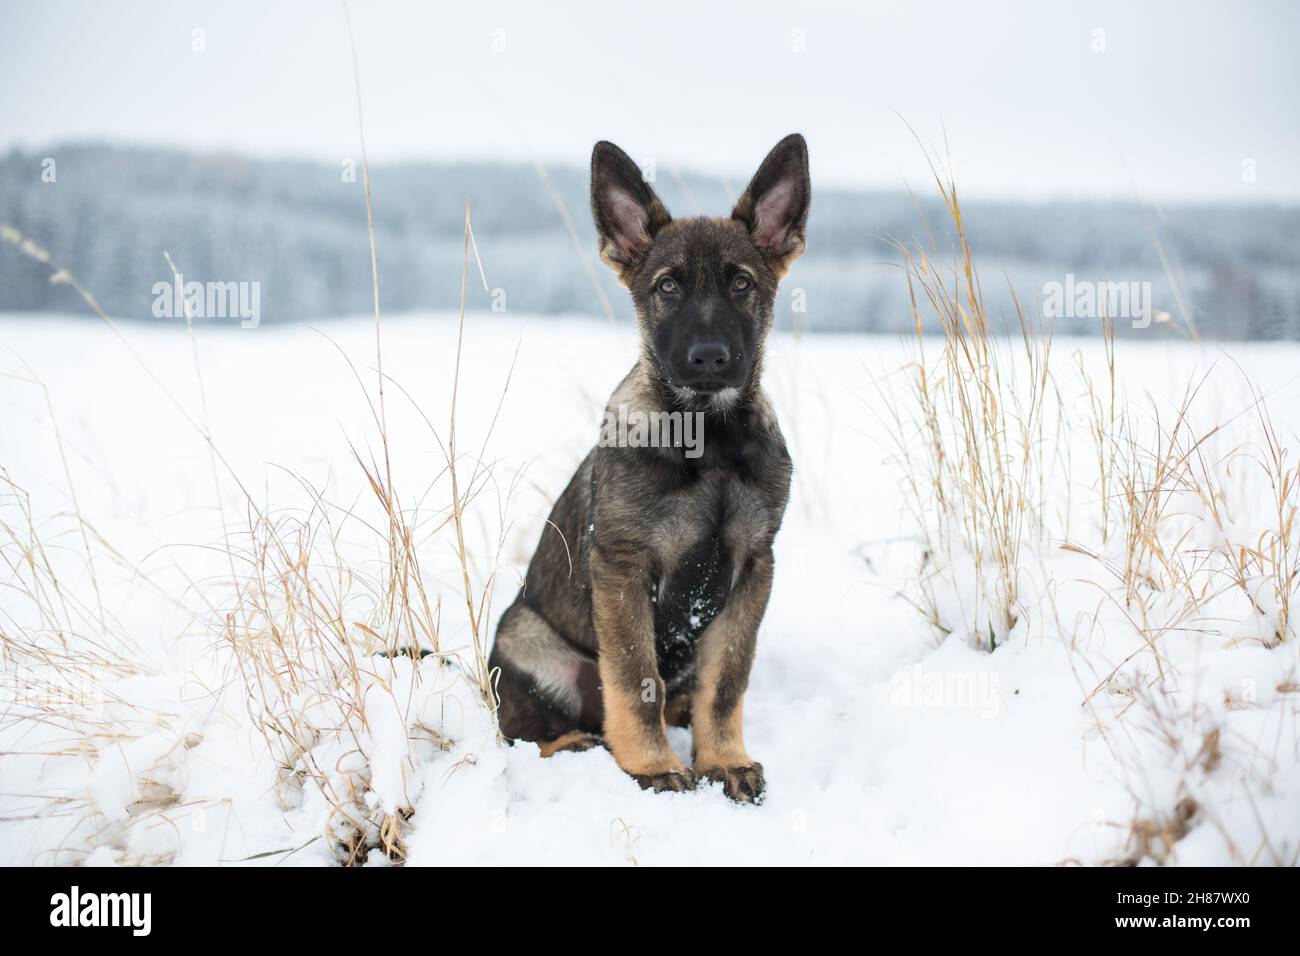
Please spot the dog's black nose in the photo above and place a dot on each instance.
(707, 357)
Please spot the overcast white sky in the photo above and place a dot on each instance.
(1183, 94)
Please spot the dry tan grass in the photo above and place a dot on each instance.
(981, 427)
(312, 636)
(310, 632)
(968, 431)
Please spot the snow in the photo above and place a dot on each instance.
(882, 742)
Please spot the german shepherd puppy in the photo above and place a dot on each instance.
(641, 605)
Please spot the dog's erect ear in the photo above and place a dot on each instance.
(626, 209)
(775, 206)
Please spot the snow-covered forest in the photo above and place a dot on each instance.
(298, 229)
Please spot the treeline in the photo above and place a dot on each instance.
(298, 229)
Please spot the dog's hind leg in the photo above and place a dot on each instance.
(546, 688)
(575, 741)
(677, 713)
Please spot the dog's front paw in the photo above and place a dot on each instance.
(671, 781)
(742, 784)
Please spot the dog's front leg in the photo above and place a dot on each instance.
(726, 653)
(631, 689)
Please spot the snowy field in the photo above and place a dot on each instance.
(1102, 727)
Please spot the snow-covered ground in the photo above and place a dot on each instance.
(882, 742)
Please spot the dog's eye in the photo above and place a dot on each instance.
(741, 284)
(667, 285)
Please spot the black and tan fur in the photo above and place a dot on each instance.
(642, 602)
